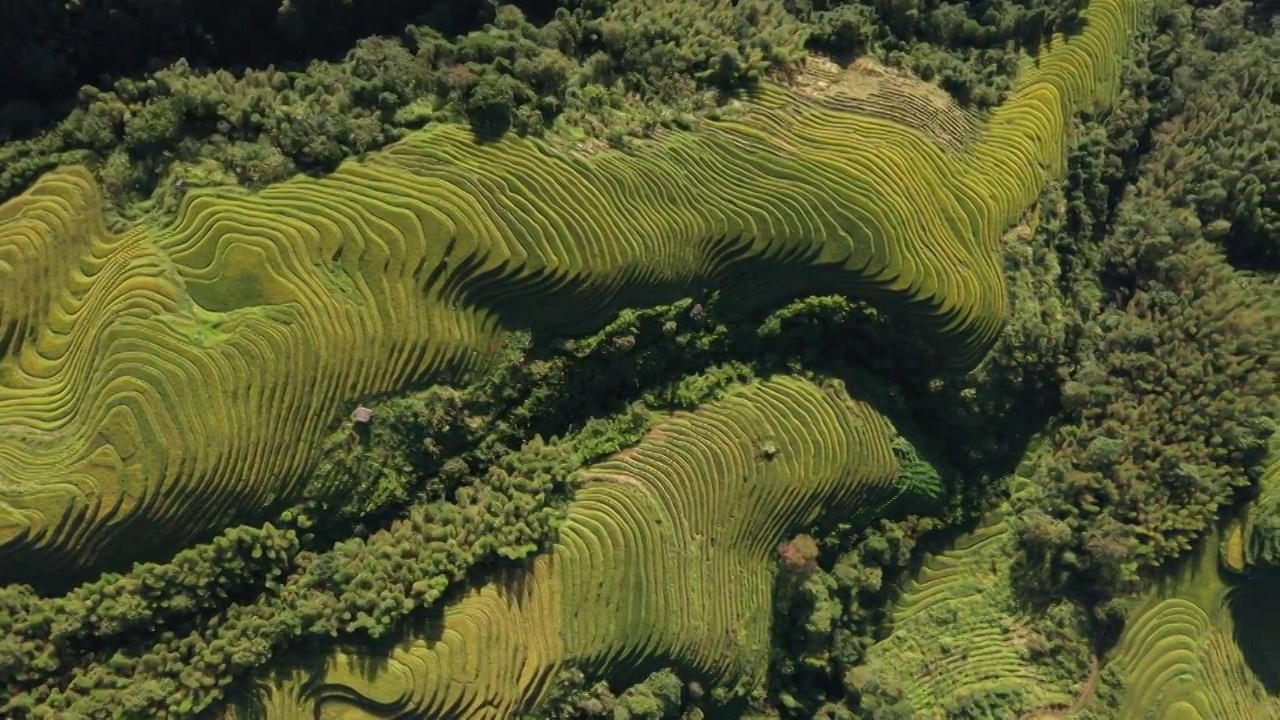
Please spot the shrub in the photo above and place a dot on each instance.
(799, 555)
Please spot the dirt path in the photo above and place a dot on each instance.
(1055, 712)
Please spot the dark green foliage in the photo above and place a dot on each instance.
(424, 446)
(990, 703)
(1169, 399)
(1224, 162)
(572, 697)
(1167, 412)
(970, 48)
(1108, 696)
(45, 636)
(718, 43)
(828, 618)
(416, 446)
(879, 698)
(656, 698)
(917, 477)
(1058, 641)
(661, 695)
(593, 72)
(52, 46)
(1262, 538)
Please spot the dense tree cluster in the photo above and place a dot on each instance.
(1262, 538)
(1170, 397)
(661, 695)
(44, 636)
(1165, 422)
(1220, 150)
(827, 620)
(49, 47)
(595, 72)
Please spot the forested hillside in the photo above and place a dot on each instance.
(878, 359)
(594, 72)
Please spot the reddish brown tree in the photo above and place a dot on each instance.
(799, 554)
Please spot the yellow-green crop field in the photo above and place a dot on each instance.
(667, 552)
(957, 630)
(175, 379)
(178, 378)
(1202, 647)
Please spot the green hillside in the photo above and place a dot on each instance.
(407, 266)
(664, 554)
(855, 360)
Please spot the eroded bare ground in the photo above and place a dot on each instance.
(870, 87)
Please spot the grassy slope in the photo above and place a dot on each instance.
(221, 268)
(1026, 128)
(1181, 656)
(406, 267)
(665, 556)
(961, 636)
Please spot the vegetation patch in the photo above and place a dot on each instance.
(863, 308)
(593, 74)
(1168, 400)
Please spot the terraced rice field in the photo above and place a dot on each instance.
(1199, 649)
(170, 380)
(668, 553)
(868, 88)
(1207, 644)
(958, 632)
